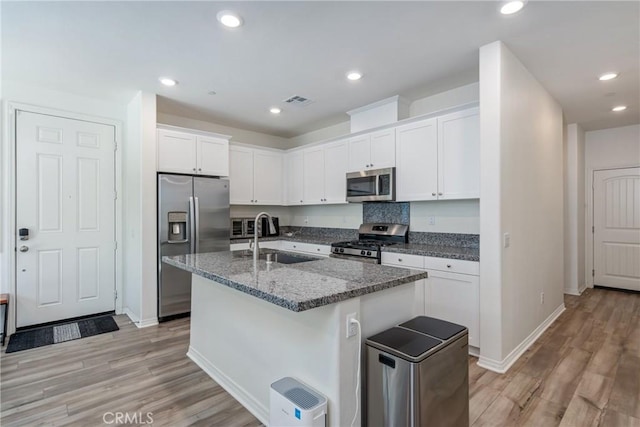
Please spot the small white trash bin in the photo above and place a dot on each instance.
(295, 404)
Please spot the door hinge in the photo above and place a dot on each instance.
(115, 294)
(593, 228)
(115, 195)
(115, 245)
(593, 273)
(115, 145)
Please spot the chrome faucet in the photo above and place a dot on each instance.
(256, 230)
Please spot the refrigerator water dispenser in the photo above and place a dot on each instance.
(177, 227)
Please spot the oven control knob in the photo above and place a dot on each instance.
(362, 252)
(368, 252)
(341, 250)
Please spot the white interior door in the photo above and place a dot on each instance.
(616, 221)
(65, 188)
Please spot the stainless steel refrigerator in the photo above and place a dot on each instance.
(193, 217)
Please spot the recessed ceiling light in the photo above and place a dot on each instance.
(354, 75)
(168, 81)
(608, 76)
(229, 19)
(511, 7)
(275, 110)
(619, 108)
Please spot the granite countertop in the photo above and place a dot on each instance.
(297, 287)
(438, 251)
(424, 249)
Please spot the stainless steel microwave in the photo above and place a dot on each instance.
(242, 228)
(376, 185)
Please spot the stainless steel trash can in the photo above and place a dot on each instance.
(418, 375)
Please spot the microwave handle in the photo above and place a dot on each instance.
(378, 185)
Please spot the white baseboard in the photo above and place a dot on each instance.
(502, 366)
(136, 320)
(474, 351)
(248, 401)
(582, 287)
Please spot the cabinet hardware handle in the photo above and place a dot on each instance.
(199, 169)
(371, 165)
(433, 194)
(448, 265)
(255, 201)
(318, 249)
(194, 169)
(300, 201)
(399, 259)
(439, 194)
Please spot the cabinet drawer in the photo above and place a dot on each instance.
(309, 248)
(403, 260)
(452, 265)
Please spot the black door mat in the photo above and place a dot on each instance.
(60, 333)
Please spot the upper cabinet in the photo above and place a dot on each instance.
(192, 153)
(324, 171)
(255, 176)
(372, 151)
(294, 178)
(439, 158)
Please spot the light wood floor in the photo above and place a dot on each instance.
(584, 371)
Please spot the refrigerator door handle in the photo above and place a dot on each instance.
(197, 226)
(192, 221)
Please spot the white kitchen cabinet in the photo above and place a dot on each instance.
(439, 158)
(417, 161)
(295, 177)
(255, 176)
(324, 173)
(454, 297)
(375, 150)
(184, 152)
(313, 182)
(335, 170)
(452, 290)
(459, 155)
(307, 248)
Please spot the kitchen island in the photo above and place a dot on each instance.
(252, 325)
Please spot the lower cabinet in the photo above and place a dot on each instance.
(454, 297)
(451, 292)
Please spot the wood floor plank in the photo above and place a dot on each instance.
(583, 371)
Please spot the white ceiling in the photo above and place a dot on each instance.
(112, 49)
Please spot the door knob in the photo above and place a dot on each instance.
(24, 248)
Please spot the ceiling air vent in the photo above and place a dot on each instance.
(299, 101)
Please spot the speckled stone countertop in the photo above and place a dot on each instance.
(438, 251)
(297, 287)
(424, 249)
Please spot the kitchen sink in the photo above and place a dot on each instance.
(277, 256)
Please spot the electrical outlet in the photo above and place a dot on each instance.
(306, 220)
(432, 220)
(541, 297)
(506, 240)
(352, 328)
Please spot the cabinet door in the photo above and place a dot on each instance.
(417, 161)
(295, 177)
(176, 152)
(212, 156)
(455, 298)
(267, 178)
(335, 171)
(383, 149)
(313, 176)
(359, 153)
(459, 155)
(240, 176)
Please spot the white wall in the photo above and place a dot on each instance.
(140, 245)
(521, 194)
(451, 216)
(61, 102)
(448, 99)
(574, 205)
(237, 135)
(336, 216)
(606, 149)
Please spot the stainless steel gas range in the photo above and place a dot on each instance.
(371, 239)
